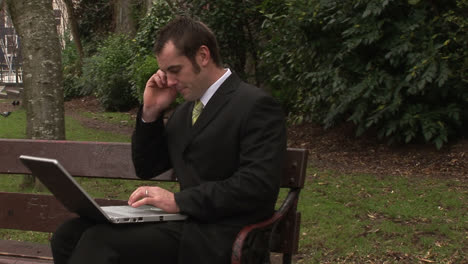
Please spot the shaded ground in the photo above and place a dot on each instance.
(334, 149)
(338, 149)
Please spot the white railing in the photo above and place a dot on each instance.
(11, 76)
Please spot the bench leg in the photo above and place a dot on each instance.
(287, 258)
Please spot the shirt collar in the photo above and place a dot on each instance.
(214, 87)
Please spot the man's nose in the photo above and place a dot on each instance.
(171, 81)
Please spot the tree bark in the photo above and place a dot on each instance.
(123, 18)
(149, 4)
(74, 29)
(34, 22)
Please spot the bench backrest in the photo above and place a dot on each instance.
(37, 212)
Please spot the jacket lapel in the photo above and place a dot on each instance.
(216, 103)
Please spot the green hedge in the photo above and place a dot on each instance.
(398, 67)
(106, 75)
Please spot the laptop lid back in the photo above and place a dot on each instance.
(51, 173)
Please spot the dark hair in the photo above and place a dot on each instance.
(188, 35)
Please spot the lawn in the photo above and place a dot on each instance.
(346, 218)
(361, 218)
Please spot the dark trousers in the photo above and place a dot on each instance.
(79, 241)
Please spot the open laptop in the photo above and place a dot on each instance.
(64, 187)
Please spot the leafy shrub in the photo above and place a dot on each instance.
(95, 20)
(397, 66)
(144, 63)
(141, 70)
(105, 74)
(160, 14)
(71, 71)
(236, 25)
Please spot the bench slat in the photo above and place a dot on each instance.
(36, 212)
(80, 158)
(27, 251)
(111, 159)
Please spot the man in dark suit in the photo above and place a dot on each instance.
(226, 144)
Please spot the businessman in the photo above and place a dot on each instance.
(226, 144)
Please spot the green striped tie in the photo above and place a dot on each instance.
(197, 109)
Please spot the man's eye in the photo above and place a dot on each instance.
(174, 71)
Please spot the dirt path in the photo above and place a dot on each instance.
(338, 149)
(74, 108)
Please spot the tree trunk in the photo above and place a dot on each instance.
(149, 4)
(42, 68)
(74, 29)
(123, 18)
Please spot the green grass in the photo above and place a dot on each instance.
(14, 126)
(364, 216)
(112, 117)
(345, 218)
(75, 131)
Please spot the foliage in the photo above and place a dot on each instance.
(71, 71)
(141, 70)
(395, 67)
(286, 51)
(94, 18)
(106, 75)
(144, 63)
(160, 14)
(235, 24)
(399, 67)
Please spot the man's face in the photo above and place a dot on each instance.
(180, 73)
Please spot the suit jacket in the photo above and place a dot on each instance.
(228, 165)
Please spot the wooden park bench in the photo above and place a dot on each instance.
(39, 212)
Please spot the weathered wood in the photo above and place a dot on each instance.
(111, 160)
(86, 159)
(36, 212)
(286, 239)
(294, 172)
(282, 230)
(36, 253)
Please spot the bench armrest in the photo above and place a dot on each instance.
(253, 241)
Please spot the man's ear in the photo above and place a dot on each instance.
(203, 55)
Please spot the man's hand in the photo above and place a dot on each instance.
(154, 196)
(157, 97)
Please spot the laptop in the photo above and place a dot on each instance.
(64, 187)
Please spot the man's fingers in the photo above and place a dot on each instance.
(155, 196)
(158, 80)
(152, 83)
(141, 202)
(161, 79)
(138, 194)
